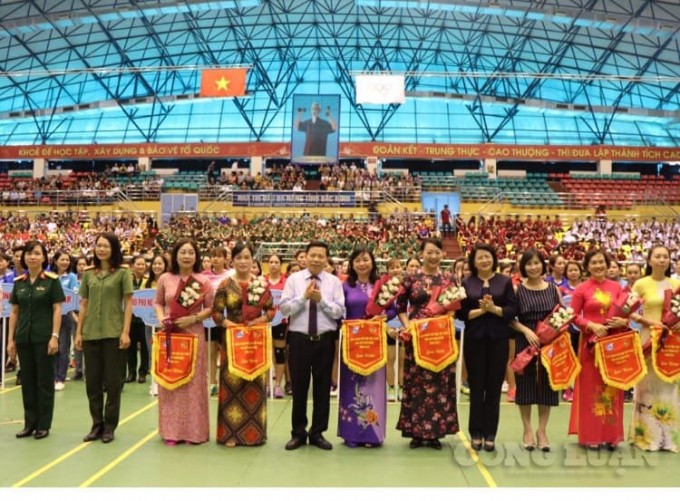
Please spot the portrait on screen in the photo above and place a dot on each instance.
(315, 131)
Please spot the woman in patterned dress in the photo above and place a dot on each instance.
(363, 399)
(656, 403)
(428, 406)
(242, 413)
(175, 423)
(536, 299)
(597, 410)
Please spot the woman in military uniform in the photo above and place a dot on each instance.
(34, 325)
(103, 333)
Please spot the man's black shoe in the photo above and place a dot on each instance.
(107, 437)
(320, 442)
(26, 432)
(94, 434)
(39, 434)
(294, 443)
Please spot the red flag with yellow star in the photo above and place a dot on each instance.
(227, 82)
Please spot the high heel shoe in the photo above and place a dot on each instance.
(543, 446)
(476, 444)
(528, 446)
(435, 444)
(489, 445)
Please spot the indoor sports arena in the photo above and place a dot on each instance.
(339, 243)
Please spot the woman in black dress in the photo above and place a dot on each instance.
(537, 298)
(490, 306)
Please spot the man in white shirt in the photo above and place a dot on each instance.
(314, 302)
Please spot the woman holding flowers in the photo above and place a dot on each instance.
(183, 301)
(656, 404)
(394, 269)
(362, 410)
(242, 413)
(428, 407)
(597, 410)
(490, 305)
(536, 299)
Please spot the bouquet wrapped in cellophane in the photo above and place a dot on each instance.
(670, 315)
(625, 304)
(444, 300)
(554, 324)
(385, 292)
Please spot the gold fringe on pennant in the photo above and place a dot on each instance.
(606, 377)
(545, 361)
(656, 333)
(420, 359)
(159, 378)
(258, 371)
(373, 367)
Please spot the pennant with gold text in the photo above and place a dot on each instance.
(364, 345)
(178, 369)
(249, 350)
(434, 342)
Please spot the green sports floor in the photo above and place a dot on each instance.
(138, 457)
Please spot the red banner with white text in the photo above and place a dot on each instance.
(347, 150)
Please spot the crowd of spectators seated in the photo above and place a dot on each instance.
(511, 234)
(103, 186)
(340, 177)
(625, 240)
(279, 178)
(397, 235)
(97, 187)
(76, 231)
(345, 177)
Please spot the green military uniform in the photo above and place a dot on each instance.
(32, 334)
(102, 327)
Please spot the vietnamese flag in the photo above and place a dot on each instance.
(223, 82)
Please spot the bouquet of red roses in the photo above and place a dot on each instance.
(385, 292)
(554, 324)
(625, 304)
(444, 299)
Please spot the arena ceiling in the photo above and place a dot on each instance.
(505, 71)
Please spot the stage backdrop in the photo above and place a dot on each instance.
(315, 136)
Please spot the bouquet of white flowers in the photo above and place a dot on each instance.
(444, 299)
(388, 291)
(256, 290)
(258, 298)
(451, 297)
(554, 324)
(190, 294)
(385, 292)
